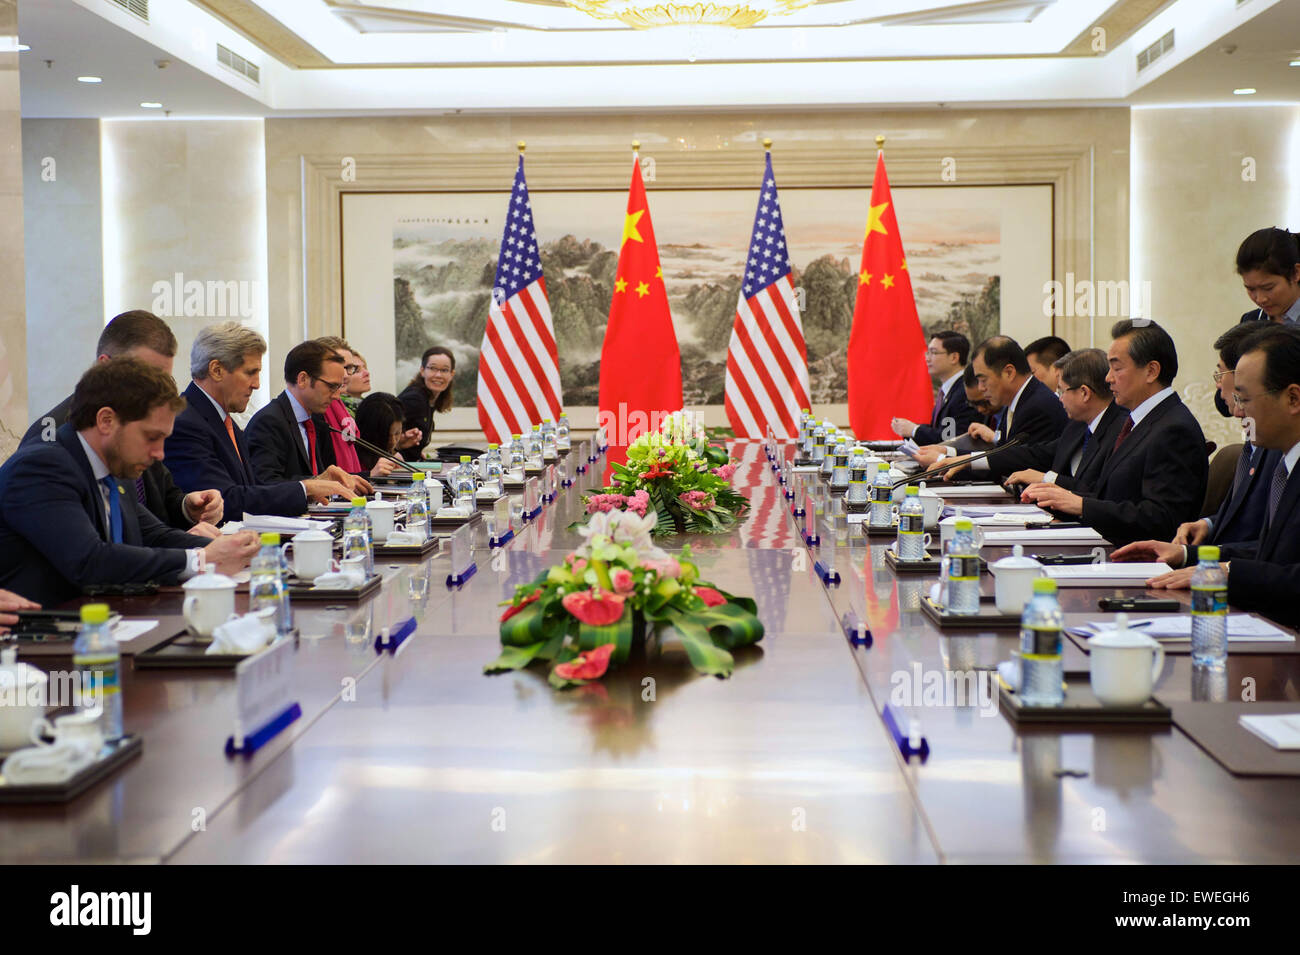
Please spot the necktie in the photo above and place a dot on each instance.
(230, 430)
(139, 489)
(1243, 469)
(1010, 415)
(311, 443)
(1083, 451)
(1275, 492)
(1123, 433)
(938, 406)
(114, 509)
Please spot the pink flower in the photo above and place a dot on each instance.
(586, 666)
(579, 565)
(696, 500)
(710, 596)
(664, 568)
(605, 502)
(725, 471)
(594, 607)
(639, 502)
(623, 582)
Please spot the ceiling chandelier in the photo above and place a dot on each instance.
(643, 14)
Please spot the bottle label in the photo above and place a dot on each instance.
(963, 568)
(1035, 642)
(100, 671)
(911, 523)
(882, 494)
(1209, 600)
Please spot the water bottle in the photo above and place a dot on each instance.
(517, 455)
(840, 468)
(549, 450)
(827, 462)
(858, 496)
(1209, 611)
(882, 497)
(98, 660)
(911, 526)
(1040, 647)
(963, 569)
(805, 434)
(357, 535)
(417, 506)
(463, 485)
(266, 583)
(563, 439)
(533, 449)
(819, 442)
(493, 473)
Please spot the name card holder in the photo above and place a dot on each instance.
(263, 708)
(810, 537)
(769, 444)
(583, 456)
(910, 742)
(601, 442)
(856, 629)
(798, 508)
(548, 484)
(565, 481)
(825, 563)
(390, 639)
(501, 524)
(532, 499)
(462, 556)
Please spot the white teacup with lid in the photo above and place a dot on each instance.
(381, 514)
(948, 526)
(1013, 579)
(311, 553)
(1124, 664)
(933, 505)
(22, 703)
(209, 600)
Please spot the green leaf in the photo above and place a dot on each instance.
(514, 658)
(618, 633)
(730, 625)
(706, 656)
(526, 627)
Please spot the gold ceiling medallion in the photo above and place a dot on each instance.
(643, 15)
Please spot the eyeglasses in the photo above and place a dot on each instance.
(1218, 376)
(1060, 392)
(352, 369)
(334, 386)
(437, 371)
(937, 353)
(1241, 402)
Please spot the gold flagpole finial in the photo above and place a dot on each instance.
(880, 142)
(636, 145)
(521, 146)
(767, 144)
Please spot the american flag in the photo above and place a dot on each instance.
(518, 367)
(767, 524)
(767, 362)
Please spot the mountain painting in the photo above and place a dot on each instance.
(444, 265)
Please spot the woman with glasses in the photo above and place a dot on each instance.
(358, 384)
(337, 414)
(429, 391)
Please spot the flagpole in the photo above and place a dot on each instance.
(521, 146)
(767, 145)
(880, 144)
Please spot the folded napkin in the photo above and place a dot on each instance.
(453, 512)
(241, 636)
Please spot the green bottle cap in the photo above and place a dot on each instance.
(963, 524)
(358, 502)
(1044, 585)
(417, 476)
(882, 466)
(492, 447)
(94, 613)
(1208, 552)
(269, 537)
(913, 490)
(464, 459)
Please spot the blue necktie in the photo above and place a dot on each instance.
(1275, 492)
(114, 509)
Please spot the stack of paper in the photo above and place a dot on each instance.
(1053, 535)
(970, 490)
(992, 515)
(1107, 574)
(282, 525)
(1242, 628)
(1279, 730)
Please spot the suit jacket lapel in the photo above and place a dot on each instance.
(286, 408)
(1282, 519)
(67, 437)
(1138, 436)
(1100, 437)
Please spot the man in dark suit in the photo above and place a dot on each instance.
(1028, 409)
(208, 449)
(946, 359)
(1043, 354)
(1268, 261)
(67, 520)
(1264, 574)
(143, 335)
(288, 440)
(1075, 459)
(1240, 516)
(1156, 474)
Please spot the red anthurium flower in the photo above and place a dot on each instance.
(586, 666)
(515, 608)
(710, 596)
(594, 607)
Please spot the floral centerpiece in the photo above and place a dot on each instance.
(583, 615)
(676, 474)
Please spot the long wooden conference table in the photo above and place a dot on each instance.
(417, 756)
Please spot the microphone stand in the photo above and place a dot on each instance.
(946, 467)
(373, 449)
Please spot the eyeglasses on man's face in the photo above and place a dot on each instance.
(1218, 376)
(937, 352)
(1060, 392)
(1242, 402)
(334, 386)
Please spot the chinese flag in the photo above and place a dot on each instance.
(887, 372)
(640, 366)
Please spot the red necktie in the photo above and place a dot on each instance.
(230, 430)
(1123, 433)
(311, 443)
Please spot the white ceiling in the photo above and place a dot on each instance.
(432, 55)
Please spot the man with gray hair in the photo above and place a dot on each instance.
(208, 449)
